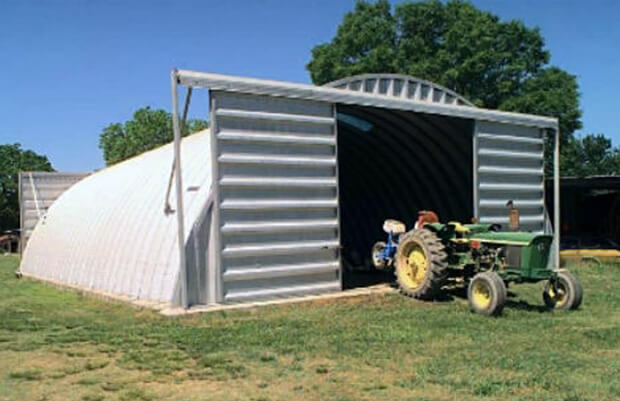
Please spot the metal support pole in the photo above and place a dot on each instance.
(20, 200)
(556, 199)
(475, 172)
(34, 195)
(188, 98)
(179, 189)
(215, 292)
(337, 174)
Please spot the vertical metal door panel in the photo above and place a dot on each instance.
(276, 197)
(509, 166)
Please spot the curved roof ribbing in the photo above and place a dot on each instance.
(108, 233)
(401, 86)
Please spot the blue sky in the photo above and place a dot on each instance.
(69, 68)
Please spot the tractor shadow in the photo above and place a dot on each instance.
(525, 306)
(452, 291)
(456, 291)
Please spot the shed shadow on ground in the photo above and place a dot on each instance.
(366, 278)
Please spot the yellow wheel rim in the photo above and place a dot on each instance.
(481, 295)
(413, 270)
(558, 297)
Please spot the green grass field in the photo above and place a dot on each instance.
(59, 345)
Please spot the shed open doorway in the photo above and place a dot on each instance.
(392, 164)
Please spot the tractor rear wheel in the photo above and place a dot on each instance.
(567, 293)
(421, 264)
(486, 294)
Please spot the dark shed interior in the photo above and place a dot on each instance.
(590, 207)
(393, 164)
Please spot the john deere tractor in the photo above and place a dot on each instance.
(433, 255)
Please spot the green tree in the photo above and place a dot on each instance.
(495, 64)
(14, 159)
(147, 130)
(591, 155)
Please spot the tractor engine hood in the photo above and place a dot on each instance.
(485, 233)
(508, 238)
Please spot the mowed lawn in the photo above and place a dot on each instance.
(59, 345)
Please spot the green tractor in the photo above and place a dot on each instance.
(428, 257)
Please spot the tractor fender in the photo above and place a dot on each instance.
(432, 227)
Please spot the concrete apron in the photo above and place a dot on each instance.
(166, 310)
(356, 292)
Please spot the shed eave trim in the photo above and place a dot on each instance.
(257, 86)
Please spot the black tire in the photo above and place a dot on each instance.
(377, 262)
(486, 294)
(570, 292)
(432, 276)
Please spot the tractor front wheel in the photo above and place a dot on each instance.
(421, 264)
(377, 260)
(566, 294)
(486, 294)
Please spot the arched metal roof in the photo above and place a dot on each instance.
(401, 86)
(109, 234)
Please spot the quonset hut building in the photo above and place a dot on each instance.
(291, 183)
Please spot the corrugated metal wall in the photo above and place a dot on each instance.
(509, 164)
(276, 197)
(37, 191)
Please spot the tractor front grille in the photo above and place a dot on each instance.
(513, 256)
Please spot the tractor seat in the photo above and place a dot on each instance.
(458, 227)
(394, 226)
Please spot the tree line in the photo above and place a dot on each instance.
(146, 130)
(495, 64)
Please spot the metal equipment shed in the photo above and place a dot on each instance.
(304, 175)
(286, 186)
